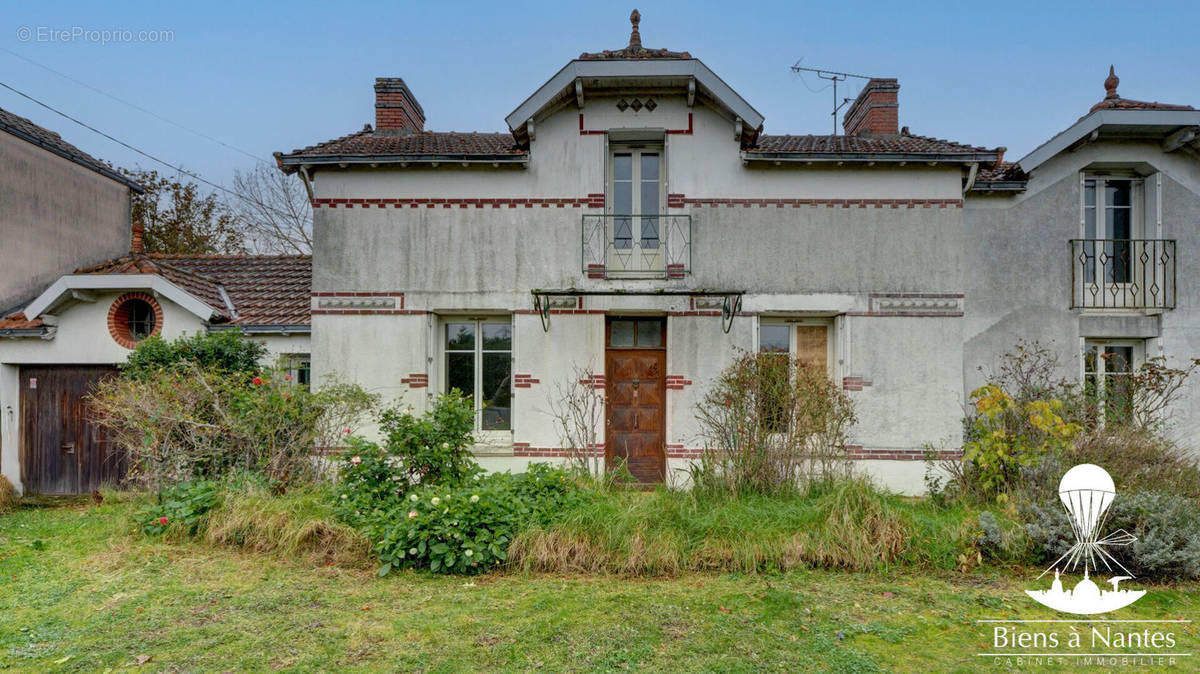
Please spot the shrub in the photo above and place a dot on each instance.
(468, 528)
(8, 496)
(180, 508)
(1167, 528)
(371, 483)
(186, 423)
(1007, 435)
(433, 448)
(227, 351)
(768, 422)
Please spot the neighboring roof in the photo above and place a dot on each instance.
(634, 50)
(1003, 176)
(48, 140)
(902, 147)
(1118, 115)
(368, 145)
(248, 291)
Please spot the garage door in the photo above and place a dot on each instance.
(63, 451)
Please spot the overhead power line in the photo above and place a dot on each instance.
(147, 155)
(135, 106)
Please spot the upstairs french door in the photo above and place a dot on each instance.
(635, 242)
(1112, 223)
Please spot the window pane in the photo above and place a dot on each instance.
(1118, 359)
(623, 166)
(460, 337)
(460, 372)
(1089, 222)
(1089, 359)
(649, 232)
(1089, 192)
(649, 166)
(773, 338)
(497, 337)
(623, 232)
(496, 396)
(1117, 192)
(1118, 221)
(649, 333)
(621, 333)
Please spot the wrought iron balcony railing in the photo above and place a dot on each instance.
(1122, 273)
(637, 246)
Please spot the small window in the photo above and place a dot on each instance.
(479, 364)
(298, 366)
(133, 317)
(141, 319)
(806, 342)
(1106, 369)
(640, 333)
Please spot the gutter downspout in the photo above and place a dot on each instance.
(974, 171)
(307, 182)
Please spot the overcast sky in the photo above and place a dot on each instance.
(262, 77)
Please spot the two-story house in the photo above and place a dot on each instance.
(635, 226)
(1085, 244)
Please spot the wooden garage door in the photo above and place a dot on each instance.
(62, 450)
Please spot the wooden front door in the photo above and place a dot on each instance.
(635, 384)
(62, 450)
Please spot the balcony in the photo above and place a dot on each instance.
(637, 246)
(1122, 274)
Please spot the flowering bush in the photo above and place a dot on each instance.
(433, 448)
(467, 529)
(181, 507)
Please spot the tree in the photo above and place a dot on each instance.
(178, 218)
(273, 210)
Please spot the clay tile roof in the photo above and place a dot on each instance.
(419, 143)
(18, 321)
(1002, 172)
(634, 50)
(901, 144)
(51, 141)
(262, 289)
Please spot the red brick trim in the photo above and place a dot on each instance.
(681, 452)
(416, 380)
(676, 382)
(524, 381)
(370, 312)
(854, 383)
(858, 453)
(562, 311)
(118, 318)
(459, 202)
(687, 131)
(674, 271)
(830, 203)
(358, 294)
(524, 449)
(596, 381)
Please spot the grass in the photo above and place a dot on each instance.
(79, 591)
(847, 525)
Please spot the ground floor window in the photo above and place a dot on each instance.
(298, 366)
(804, 341)
(1107, 365)
(478, 362)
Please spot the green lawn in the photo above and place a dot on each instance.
(79, 592)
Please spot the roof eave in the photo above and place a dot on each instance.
(1094, 120)
(107, 173)
(53, 295)
(294, 161)
(1000, 186)
(23, 333)
(867, 157)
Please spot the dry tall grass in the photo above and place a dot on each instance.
(8, 496)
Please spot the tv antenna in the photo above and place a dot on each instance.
(834, 77)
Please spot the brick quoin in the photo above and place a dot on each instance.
(416, 380)
(524, 381)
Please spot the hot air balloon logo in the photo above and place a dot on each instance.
(1086, 492)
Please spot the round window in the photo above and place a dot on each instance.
(134, 317)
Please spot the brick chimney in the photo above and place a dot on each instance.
(396, 109)
(876, 111)
(137, 242)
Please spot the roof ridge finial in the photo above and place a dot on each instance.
(635, 38)
(1111, 82)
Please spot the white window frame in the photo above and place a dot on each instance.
(1138, 350)
(482, 437)
(655, 257)
(1137, 217)
(291, 363)
(792, 323)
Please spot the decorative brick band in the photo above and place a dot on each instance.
(676, 382)
(452, 202)
(673, 271)
(675, 200)
(681, 452)
(595, 271)
(596, 200)
(118, 318)
(927, 305)
(524, 449)
(524, 381)
(858, 453)
(371, 312)
(596, 381)
(831, 203)
(854, 383)
(416, 380)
